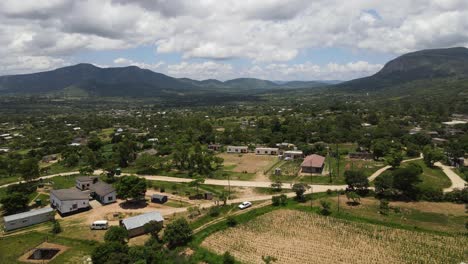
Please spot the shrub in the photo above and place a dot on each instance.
(231, 221)
(56, 228)
(432, 194)
(384, 207)
(326, 207)
(228, 258)
(116, 234)
(214, 211)
(178, 233)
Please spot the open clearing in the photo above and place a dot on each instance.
(248, 162)
(300, 237)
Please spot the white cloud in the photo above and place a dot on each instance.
(150, 66)
(201, 71)
(263, 31)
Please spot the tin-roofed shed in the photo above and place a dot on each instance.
(159, 198)
(28, 218)
(136, 225)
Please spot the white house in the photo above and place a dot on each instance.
(266, 151)
(85, 182)
(237, 149)
(69, 200)
(293, 154)
(103, 192)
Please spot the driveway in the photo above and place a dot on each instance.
(457, 181)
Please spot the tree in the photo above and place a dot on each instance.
(231, 221)
(354, 197)
(431, 156)
(384, 207)
(178, 233)
(223, 197)
(384, 185)
(406, 181)
(269, 259)
(29, 169)
(277, 185)
(326, 207)
(197, 182)
(116, 234)
(131, 187)
(110, 252)
(153, 228)
(14, 203)
(395, 159)
(228, 258)
(146, 163)
(379, 148)
(56, 228)
(87, 170)
(356, 180)
(300, 189)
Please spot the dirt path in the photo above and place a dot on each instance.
(457, 181)
(382, 170)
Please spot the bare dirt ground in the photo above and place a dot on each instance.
(248, 162)
(24, 257)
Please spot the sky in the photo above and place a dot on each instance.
(226, 39)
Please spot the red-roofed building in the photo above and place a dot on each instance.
(313, 164)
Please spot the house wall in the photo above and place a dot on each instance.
(28, 221)
(83, 185)
(262, 151)
(308, 169)
(67, 206)
(108, 198)
(236, 150)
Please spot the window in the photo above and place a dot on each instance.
(110, 198)
(74, 206)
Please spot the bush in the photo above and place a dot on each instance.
(56, 228)
(228, 258)
(231, 221)
(326, 207)
(384, 207)
(432, 194)
(116, 234)
(214, 211)
(178, 233)
(275, 200)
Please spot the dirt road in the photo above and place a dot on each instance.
(457, 181)
(382, 170)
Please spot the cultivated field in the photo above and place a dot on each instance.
(250, 163)
(299, 237)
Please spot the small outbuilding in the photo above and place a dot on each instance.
(237, 149)
(85, 182)
(313, 164)
(159, 198)
(136, 225)
(103, 192)
(293, 154)
(29, 218)
(69, 200)
(266, 151)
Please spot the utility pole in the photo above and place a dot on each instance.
(339, 191)
(229, 186)
(337, 161)
(329, 165)
(311, 188)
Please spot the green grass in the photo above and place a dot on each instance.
(57, 168)
(431, 177)
(184, 188)
(63, 182)
(11, 248)
(9, 179)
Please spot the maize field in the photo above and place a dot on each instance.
(299, 237)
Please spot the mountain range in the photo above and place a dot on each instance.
(89, 80)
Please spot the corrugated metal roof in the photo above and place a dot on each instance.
(28, 214)
(141, 220)
(102, 188)
(70, 194)
(314, 160)
(158, 196)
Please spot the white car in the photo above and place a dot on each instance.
(245, 205)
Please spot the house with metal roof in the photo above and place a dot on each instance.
(159, 198)
(69, 200)
(136, 225)
(313, 164)
(85, 182)
(103, 192)
(29, 218)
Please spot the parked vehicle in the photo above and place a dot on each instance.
(245, 205)
(99, 225)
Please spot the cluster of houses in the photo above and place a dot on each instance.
(67, 201)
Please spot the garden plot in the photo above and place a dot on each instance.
(299, 237)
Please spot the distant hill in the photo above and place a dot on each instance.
(451, 63)
(89, 80)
